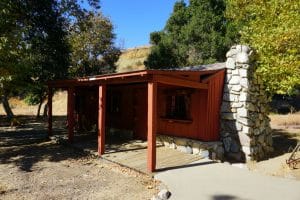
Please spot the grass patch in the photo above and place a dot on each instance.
(285, 120)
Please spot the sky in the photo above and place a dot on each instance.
(134, 20)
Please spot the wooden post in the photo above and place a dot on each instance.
(70, 110)
(50, 94)
(152, 119)
(101, 119)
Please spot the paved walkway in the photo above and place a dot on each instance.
(206, 180)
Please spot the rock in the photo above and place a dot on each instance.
(235, 72)
(204, 153)
(164, 194)
(231, 53)
(246, 150)
(196, 148)
(242, 48)
(234, 80)
(189, 150)
(244, 139)
(220, 153)
(243, 73)
(229, 116)
(243, 97)
(227, 143)
(242, 58)
(237, 88)
(244, 82)
(234, 147)
(230, 63)
(242, 112)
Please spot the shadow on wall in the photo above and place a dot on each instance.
(229, 129)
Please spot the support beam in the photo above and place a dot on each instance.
(70, 110)
(50, 94)
(152, 122)
(179, 82)
(101, 119)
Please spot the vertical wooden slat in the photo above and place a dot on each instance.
(50, 94)
(70, 110)
(215, 91)
(101, 119)
(152, 123)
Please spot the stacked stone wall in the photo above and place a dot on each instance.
(245, 127)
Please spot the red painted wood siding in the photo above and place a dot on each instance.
(215, 91)
(205, 108)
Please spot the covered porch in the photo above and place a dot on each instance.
(138, 102)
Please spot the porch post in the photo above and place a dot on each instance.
(50, 94)
(152, 119)
(101, 119)
(70, 110)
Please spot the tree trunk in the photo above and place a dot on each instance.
(38, 114)
(45, 114)
(6, 106)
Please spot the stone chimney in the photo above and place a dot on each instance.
(245, 127)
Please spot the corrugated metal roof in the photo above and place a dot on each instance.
(208, 67)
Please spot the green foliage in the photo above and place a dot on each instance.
(34, 43)
(194, 34)
(272, 27)
(93, 50)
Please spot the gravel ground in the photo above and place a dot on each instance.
(32, 167)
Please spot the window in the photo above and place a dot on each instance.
(178, 104)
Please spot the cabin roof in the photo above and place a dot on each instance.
(138, 76)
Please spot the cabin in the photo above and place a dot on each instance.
(183, 102)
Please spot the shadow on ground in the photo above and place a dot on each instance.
(28, 144)
(283, 142)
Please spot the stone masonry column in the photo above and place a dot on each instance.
(245, 127)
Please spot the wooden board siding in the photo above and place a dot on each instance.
(205, 109)
(215, 91)
(194, 128)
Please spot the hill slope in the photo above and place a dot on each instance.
(133, 59)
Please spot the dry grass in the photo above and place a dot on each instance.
(19, 107)
(133, 59)
(285, 120)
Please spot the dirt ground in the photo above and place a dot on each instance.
(286, 135)
(33, 167)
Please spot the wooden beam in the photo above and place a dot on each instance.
(50, 94)
(70, 110)
(101, 119)
(151, 124)
(179, 82)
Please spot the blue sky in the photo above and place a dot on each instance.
(134, 20)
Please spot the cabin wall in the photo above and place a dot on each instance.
(133, 109)
(193, 128)
(215, 91)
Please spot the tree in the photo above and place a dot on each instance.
(12, 48)
(194, 34)
(272, 27)
(33, 45)
(93, 50)
(49, 48)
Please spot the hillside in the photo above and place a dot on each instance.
(133, 59)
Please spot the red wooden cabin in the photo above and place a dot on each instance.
(184, 103)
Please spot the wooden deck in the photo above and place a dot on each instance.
(133, 154)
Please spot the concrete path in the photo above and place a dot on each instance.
(206, 180)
